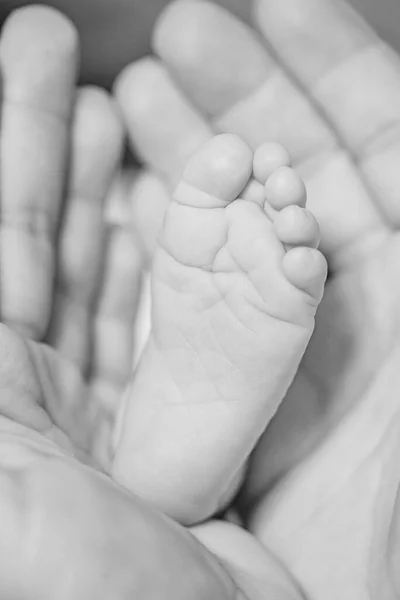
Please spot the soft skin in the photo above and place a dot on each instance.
(291, 521)
(236, 282)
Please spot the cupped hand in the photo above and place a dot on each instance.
(323, 483)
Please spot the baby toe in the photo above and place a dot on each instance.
(216, 173)
(296, 226)
(267, 159)
(306, 268)
(285, 188)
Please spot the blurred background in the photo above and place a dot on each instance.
(114, 32)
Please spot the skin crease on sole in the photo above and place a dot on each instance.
(233, 310)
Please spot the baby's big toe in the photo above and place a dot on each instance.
(194, 232)
(216, 173)
(306, 268)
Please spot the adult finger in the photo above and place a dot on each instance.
(352, 76)
(114, 315)
(255, 570)
(163, 127)
(38, 60)
(95, 155)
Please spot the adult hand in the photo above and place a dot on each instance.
(113, 32)
(49, 201)
(330, 92)
(65, 353)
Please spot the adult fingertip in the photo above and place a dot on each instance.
(44, 23)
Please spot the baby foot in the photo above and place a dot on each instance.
(236, 283)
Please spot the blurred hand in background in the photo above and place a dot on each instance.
(115, 32)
